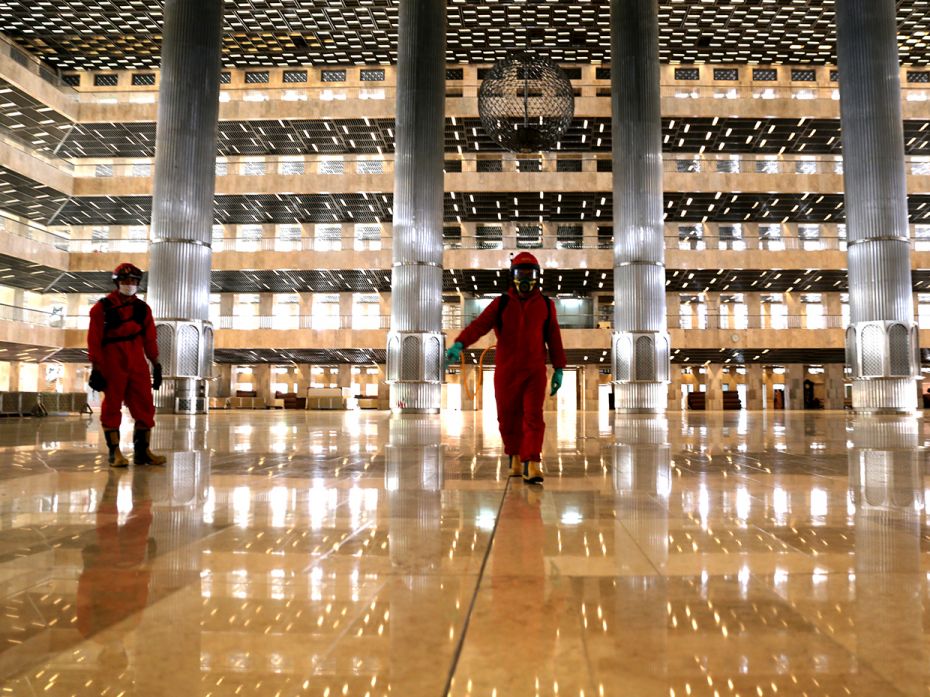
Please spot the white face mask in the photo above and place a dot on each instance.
(128, 290)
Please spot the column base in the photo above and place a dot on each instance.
(640, 397)
(182, 396)
(883, 412)
(415, 397)
(884, 396)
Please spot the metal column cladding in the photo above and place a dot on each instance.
(182, 203)
(415, 342)
(640, 343)
(881, 341)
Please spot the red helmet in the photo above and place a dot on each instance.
(126, 271)
(524, 259)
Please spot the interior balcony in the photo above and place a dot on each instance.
(579, 331)
(476, 246)
(683, 172)
(27, 242)
(481, 182)
(33, 328)
(685, 91)
(370, 92)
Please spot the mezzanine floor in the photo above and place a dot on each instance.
(322, 553)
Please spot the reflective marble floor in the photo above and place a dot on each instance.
(359, 554)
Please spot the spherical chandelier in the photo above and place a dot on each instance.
(526, 102)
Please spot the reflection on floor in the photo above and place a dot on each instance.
(359, 554)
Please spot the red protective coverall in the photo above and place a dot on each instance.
(520, 370)
(123, 362)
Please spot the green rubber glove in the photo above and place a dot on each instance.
(454, 354)
(556, 381)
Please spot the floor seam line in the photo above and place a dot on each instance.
(658, 571)
(457, 653)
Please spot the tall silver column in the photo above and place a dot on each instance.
(415, 343)
(182, 203)
(881, 341)
(640, 343)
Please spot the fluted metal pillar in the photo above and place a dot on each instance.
(415, 342)
(640, 343)
(182, 203)
(881, 341)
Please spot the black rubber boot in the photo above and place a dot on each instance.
(143, 455)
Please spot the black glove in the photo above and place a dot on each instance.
(97, 382)
(156, 376)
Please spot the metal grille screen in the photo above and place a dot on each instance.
(851, 351)
(873, 344)
(165, 335)
(19, 57)
(662, 358)
(28, 402)
(206, 360)
(622, 359)
(410, 359)
(915, 347)
(433, 359)
(188, 350)
(645, 359)
(898, 351)
(393, 359)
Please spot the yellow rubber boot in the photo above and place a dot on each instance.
(143, 454)
(516, 466)
(532, 472)
(116, 457)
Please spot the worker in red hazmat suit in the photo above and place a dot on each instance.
(527, 330)
(120, 338)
